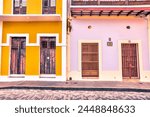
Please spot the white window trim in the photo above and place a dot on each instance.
(140, 55)
(31, 78)
(80, 55)
(54, 5)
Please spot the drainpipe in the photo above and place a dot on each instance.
(68, 38)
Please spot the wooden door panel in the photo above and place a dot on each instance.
(88, 57)
(130, 61)
(17, 63)
(47, 55)
(90, 73)
(90, 60)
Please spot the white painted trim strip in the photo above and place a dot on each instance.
(1, 7)
(15, 35)
(31, 78)
(28, 15)
(48, 75)
(110, 6)
(39, 35)
(64, 37)
(32, 44)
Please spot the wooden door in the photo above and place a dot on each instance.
(90, 60)
(18, 55)
(47, 55)
(130, 62)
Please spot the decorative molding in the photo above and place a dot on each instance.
(105, 6)
(15, 35)
(39, 35)
(33, 44)
(31, 78)
(30, 17)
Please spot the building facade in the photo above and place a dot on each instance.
(33, 40)
(109, 40)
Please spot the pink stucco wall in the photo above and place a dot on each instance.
(102, 29)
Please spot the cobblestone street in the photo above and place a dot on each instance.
(15, 94)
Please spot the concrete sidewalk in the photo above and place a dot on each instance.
(78, 85)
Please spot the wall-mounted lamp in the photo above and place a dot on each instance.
(69, 27)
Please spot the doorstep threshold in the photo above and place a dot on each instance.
(16, 76)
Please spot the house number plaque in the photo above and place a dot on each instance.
(109, 43)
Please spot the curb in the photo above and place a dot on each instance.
(77, 89)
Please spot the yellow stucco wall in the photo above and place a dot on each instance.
(58, 6)
(58, 61)
(32, 60)
(32, 53)
(32, 28)
(33, 6)
(7, 5)
(5, 61)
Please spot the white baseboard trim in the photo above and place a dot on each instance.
(31, 78)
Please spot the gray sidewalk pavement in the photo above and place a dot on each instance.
(77, 85)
